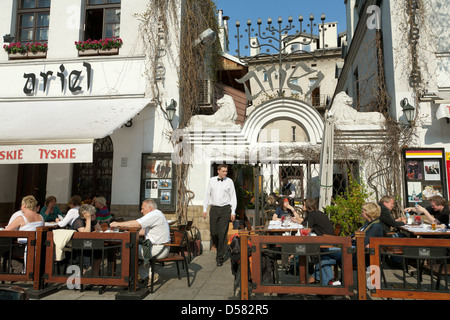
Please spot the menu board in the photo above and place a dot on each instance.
(425, 176)
(157, 180)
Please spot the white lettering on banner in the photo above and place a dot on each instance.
(62, 153)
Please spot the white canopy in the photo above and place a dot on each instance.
(61, 124)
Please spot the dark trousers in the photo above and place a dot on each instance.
(219, 219)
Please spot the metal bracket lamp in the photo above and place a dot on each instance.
(171, 109)
(408, 110)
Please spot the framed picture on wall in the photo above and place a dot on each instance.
(424, 175)
(157, 172)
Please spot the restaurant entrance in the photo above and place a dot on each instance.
(31, 180)
(95, 179)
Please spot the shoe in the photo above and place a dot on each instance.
(312, 280)
(155, 279)
(219, 263)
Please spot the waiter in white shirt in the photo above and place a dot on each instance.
(221, 195)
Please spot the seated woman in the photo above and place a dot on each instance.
(86, 222)
(371, 213)
(50, 211)
(27, 220)
(72, 214)
(316, 220)
(103, 214)
(286, 210)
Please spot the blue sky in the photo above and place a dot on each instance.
(243, 10)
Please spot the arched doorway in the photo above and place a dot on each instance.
(95, 179)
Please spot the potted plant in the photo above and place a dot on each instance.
(15, 50)
(30, 50)
(36, 50)
(98, 47)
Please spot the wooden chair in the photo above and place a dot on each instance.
(337, 230)
(179, 239)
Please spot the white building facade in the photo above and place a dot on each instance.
(407, 43)
(78, 120)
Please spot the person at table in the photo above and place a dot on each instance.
(388, 222)
(438, 212)
(286, 210)
(72, 214)
(86, 221)
(316, 220)
(103, 214)
(27, 220)
(50, 212)
(371, 213)
(155, 228)
(288, 190)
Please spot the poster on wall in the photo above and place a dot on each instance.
(157, 180)
(432, 170)
(415, 191)
(425, 175)
(165, 197)
(414, 170)
(431, 191)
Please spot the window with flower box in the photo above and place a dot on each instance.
(102, 19)
(33, 18)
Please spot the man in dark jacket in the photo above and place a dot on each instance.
(387, 203)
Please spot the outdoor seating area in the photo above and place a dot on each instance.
(390, 268)
(108, 259)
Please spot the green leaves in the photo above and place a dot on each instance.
(346, 210)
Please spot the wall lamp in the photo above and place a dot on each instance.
(206, 38)
(408, 110)
(171, 109)
(7, 38)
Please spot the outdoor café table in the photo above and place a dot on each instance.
(276, 227)
(424, 231)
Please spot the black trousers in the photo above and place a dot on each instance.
(219, 219)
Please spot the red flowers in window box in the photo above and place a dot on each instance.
(102, 44)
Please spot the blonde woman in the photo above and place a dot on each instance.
(29, 220)
(371, 212)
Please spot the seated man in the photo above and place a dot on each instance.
(437, 213)
(155, 228)
(387, 203)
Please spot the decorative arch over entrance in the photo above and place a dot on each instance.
(284, 108)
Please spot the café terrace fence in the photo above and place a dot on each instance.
(415, 257)
(103, 259)
(112, 260)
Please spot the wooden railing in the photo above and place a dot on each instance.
(425, 256)
(299, 251)
(113, 259)
(9, 243)
(431, 254)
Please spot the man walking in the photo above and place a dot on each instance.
(221, 196)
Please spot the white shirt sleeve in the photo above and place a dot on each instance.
(207, 200)
(233, 198)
